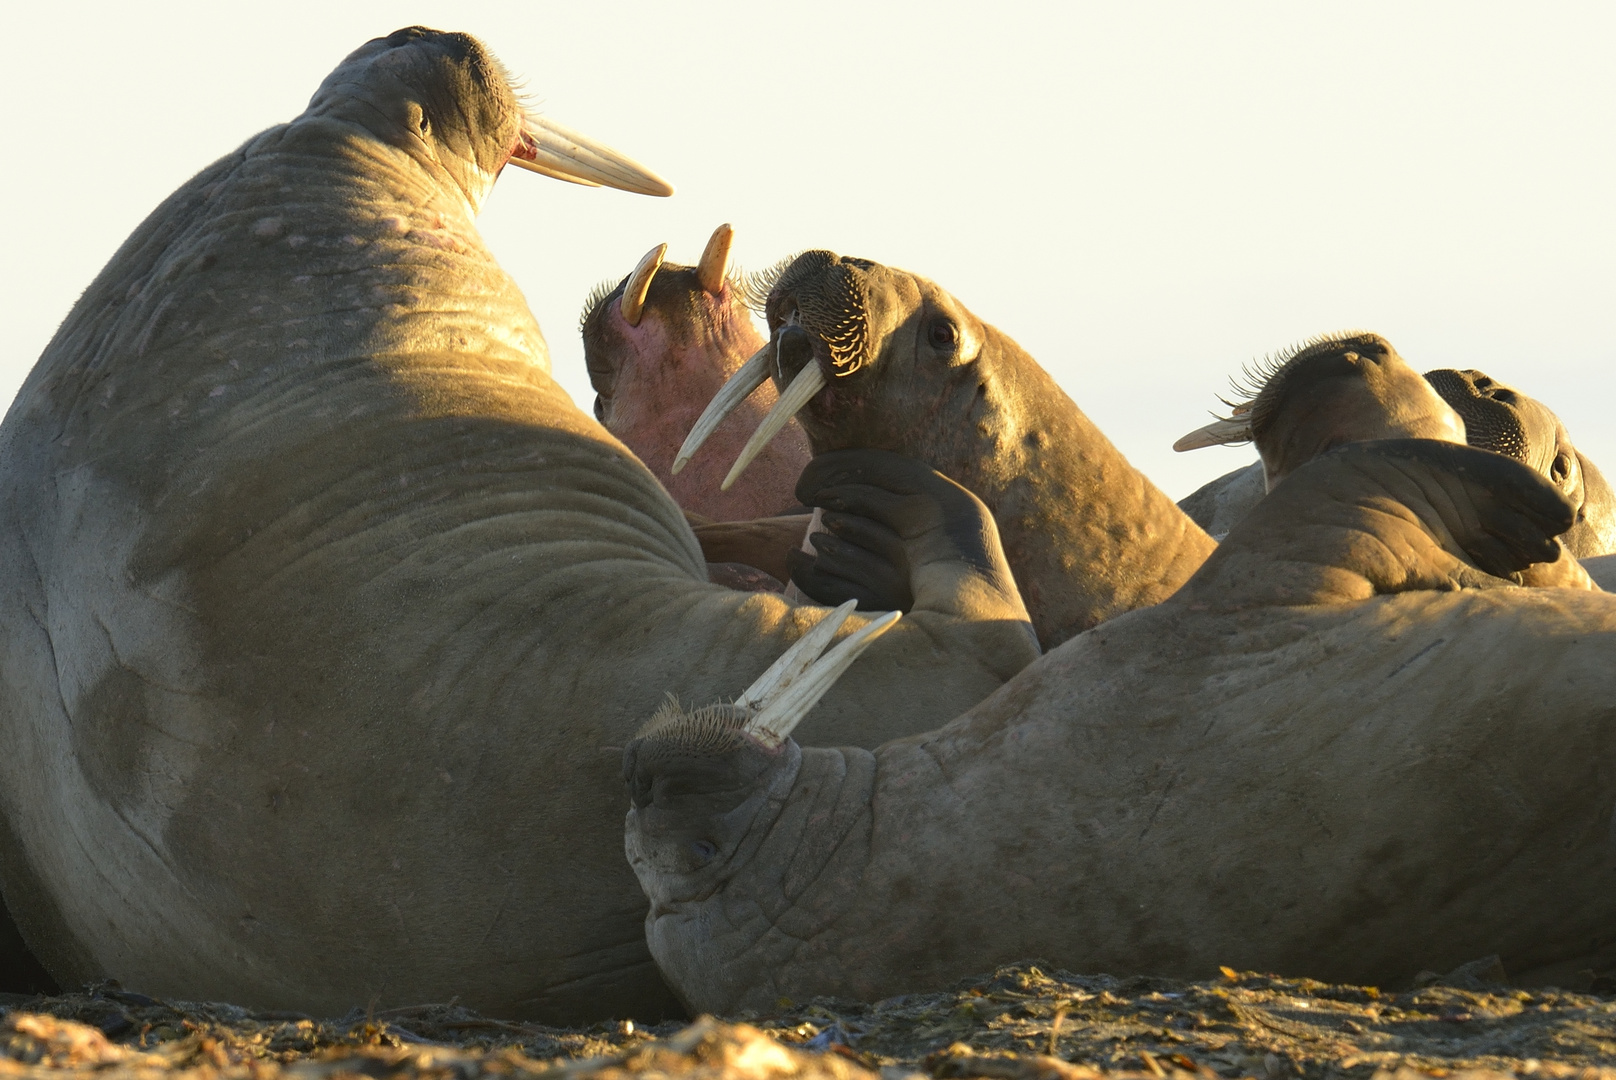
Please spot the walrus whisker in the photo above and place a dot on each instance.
(714, 263)
(809, 381)
(632, 303)
(747, 378)
(781, 716)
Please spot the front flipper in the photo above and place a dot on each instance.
(1385, 517)
(899, 534)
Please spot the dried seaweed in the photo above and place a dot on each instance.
(1022, 1022)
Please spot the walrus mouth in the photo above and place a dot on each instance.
(553, 150)
(807, 382)
(824, 294)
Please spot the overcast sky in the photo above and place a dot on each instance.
(1146, 196)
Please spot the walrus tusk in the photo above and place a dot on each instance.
(632, 304)
(553, 150)
(795, 660)
(747, 378)
(809, 381)
(781, 715)
(1220, 432)
(714, 262)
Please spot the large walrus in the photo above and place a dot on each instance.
(1348, 747)
(324, 607)
(881, 358)
(1492, 416)
(1354, 387)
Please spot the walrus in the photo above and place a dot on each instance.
(325, 609)
(1494, 416)
(865, 355)
(1349, 747)
(1354, 387)
(658, 346)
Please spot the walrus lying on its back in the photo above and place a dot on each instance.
(1352, 388)
(1348, 747)
(1387, 399)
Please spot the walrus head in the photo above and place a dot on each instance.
(1500, 418)
(1353, 387)
(849, 338)
(443, 98)
(1327, 392)
(658, 345)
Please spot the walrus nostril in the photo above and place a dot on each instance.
(793, 351)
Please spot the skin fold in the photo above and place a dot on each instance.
(325, 611)
(1347, 747)
(910, 370)
(652, 381)
(1312, 399)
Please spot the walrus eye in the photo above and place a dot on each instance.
(703, 849)
(943, 336)
(600, 409)
(1561, 469)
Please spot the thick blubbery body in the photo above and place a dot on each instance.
(323, 607)
(1345, 748)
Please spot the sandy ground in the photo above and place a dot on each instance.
(1023, 1022)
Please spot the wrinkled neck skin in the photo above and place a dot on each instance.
(1340, 776)
(655, 379)
(1332, 412)
(1087, 535)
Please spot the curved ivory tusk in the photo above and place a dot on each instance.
(786, 711)
(557, 151)
(747, 378)
(809, 381)
(632, 303)
(795, 660)
(554, 174)
(1236, 429)
(714, 262)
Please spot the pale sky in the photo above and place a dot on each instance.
(1146, 196)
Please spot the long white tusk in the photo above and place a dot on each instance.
(747, 378)
(555, 150)
(714, 262)
(632, 302)
(809, 381)
(795, 660)
(554, 174)
(1236, 429)
(781, 715)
